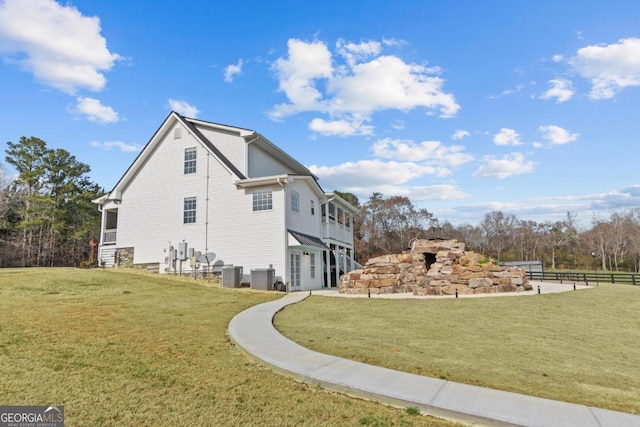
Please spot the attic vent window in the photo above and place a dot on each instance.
(177, 133)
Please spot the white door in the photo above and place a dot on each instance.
(295, 270)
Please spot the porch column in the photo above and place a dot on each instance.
(103, 225)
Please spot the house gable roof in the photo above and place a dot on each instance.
(277, 153)
(210, 146)
(192, 126)
(147, 150)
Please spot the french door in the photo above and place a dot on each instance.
(295, 270)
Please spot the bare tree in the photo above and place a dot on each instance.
(498, 228)
(560, 234)
(387, 224)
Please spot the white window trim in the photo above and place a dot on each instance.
(295, 201)
(265, 203)
(190, 161)
(312, 265)
(185, 210)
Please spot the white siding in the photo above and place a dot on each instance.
(262, 164)
(150, 214)
(307, 223)
(303, 222)
(150, 206)
(231, 145)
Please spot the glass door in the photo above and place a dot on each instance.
(295, 270)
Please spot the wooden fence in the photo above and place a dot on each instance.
(588, 278)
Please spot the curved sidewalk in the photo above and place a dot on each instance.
(253, 331)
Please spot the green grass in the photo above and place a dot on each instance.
(123, 348)
(581, 347)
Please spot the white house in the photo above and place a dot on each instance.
(201, 187)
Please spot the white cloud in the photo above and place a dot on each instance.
(627, 197)
(183, 108)
(95, 111)
(433, 152)
(398, 124)
(516, 89)
(460, 134)
(561, 90)
(57, 44)
(554, 208)
(108, 145)
(354, 53)
(557, 58)
(417, 193)
(340, 127)
(232, 70)
(365, 177)
(507, 137)
(509, 165)
(557, 135)
(610, 68)
(394, 42)
(352, 91)
(387, 82)
(306, 63)
(367, 173)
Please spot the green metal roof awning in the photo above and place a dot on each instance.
(306, 241)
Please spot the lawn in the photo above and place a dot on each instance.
(580, 346)
(121, 348)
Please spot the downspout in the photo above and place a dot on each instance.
(206, 212)
(287, 273)
(256, 137)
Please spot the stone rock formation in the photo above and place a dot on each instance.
(434, 267)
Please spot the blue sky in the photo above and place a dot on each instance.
(463, 106)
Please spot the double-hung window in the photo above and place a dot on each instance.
(312, 264)
(295, 201)
(190, 155)
(189, 213)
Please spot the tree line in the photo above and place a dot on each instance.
(385, 225)
(46, 214)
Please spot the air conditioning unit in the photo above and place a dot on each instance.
(231, 276)
(263, 279)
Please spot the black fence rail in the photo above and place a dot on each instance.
(587, 278)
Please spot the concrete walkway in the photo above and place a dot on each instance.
(542, 287)
(253, 331)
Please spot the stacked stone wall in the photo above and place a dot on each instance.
(453, 270)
